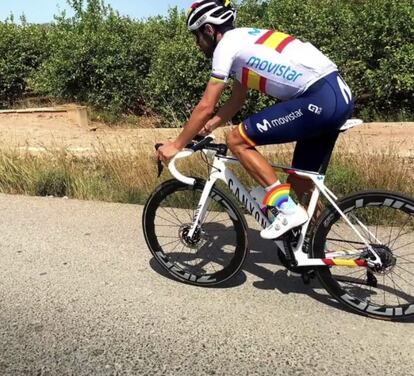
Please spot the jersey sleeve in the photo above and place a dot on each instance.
(223, 59)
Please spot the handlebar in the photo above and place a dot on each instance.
(199, 144)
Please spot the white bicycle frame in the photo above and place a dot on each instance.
(219, 171)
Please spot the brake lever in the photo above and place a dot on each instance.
(198, 137)
(202, 143)
(160, 166)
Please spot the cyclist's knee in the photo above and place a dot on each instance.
(235, 141)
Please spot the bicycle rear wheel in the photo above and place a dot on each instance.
(218, 248)
(386, 221)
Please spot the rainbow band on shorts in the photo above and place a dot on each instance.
(244, 135)
(277, 196)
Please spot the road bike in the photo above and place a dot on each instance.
(360, 247)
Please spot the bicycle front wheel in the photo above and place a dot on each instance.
(386, 221)
(217, 250)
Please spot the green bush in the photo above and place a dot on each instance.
(177, 77)
(22, 49)
(370, 41)
(119, 65)
(96, 58)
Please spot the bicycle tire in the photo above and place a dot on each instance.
(363, 290)
(154, 220)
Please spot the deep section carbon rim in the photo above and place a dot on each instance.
(386, 220)
(217, 250)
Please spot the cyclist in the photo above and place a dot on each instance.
(315, 102)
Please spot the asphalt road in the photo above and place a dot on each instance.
(80, 295)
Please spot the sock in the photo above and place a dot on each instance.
(270, 187)
(279, 197)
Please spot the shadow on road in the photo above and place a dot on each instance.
(264, 252)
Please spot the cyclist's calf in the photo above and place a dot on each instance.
(303, 188)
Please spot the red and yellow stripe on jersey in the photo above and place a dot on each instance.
(272, 39)
(254, 81)
(275, 40)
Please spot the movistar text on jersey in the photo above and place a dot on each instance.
(279, 70)
(279, 121)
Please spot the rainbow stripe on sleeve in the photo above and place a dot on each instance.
(218, 78)
(277, 196)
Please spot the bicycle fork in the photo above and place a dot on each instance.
(202, 206)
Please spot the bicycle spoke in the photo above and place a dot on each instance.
(175, 241)
(166, 226)
(354, 279)
(391, 247)
(403, 258)
(398, 235)
(173, 215)
(396, 249)
(395, 284)
(174, 223)
(391, 228)
(214, 218)
(353, 272)
(397, 266)
(362, 230)
(343, 240)
(410, 254)
(403, 279)
(176, 216)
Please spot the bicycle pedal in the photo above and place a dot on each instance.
(308, 276)
(293, 274)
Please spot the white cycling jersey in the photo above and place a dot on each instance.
(269, 61)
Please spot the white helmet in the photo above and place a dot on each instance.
(215, 12)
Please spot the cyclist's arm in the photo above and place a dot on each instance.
(231, 107)
(202, 113)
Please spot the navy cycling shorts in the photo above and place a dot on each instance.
(312, 119)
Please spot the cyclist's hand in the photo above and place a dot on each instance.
(208, 128)
(167, 151)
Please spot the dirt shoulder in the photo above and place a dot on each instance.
(38, 132)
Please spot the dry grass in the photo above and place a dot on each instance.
(129, 177)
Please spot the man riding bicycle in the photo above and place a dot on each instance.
(316, 102)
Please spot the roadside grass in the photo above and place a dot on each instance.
(127, 177)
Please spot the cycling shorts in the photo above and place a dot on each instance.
(313, 120)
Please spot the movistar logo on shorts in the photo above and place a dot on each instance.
(285, 71)
(279, 121)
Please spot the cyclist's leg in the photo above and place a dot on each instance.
(285, 122)
(251, 159)
(278, 124)
(282, 123)
(320, 149)
(305, 118)
(312, 120)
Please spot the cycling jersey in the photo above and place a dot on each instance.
(269, 61)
